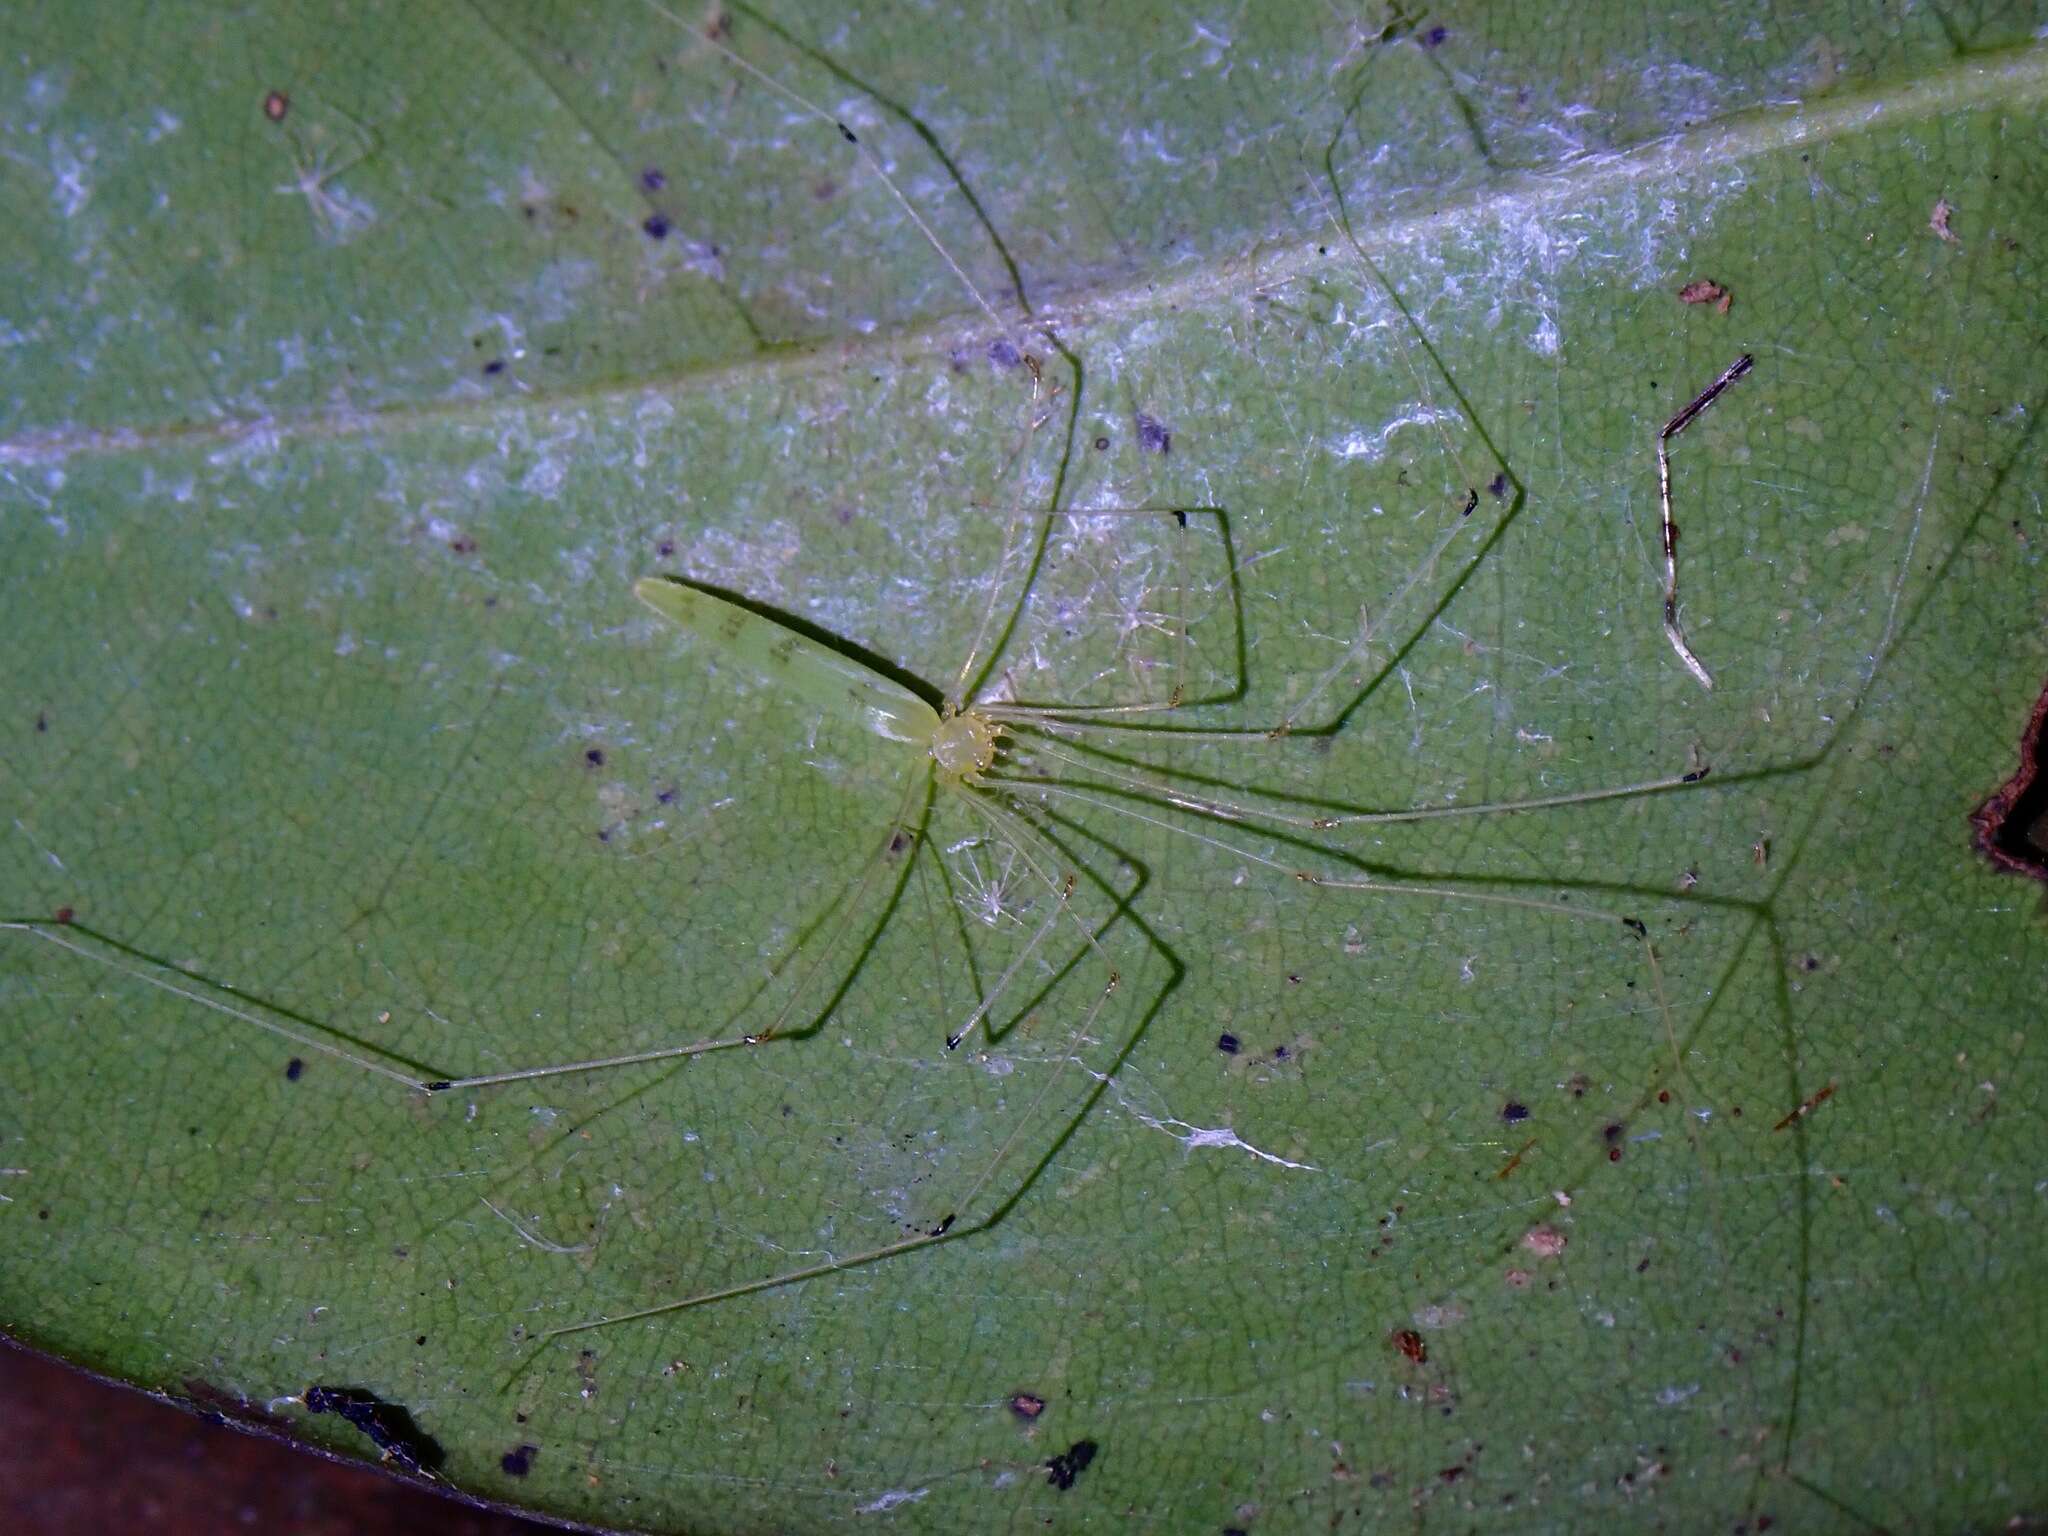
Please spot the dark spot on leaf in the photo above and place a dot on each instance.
(2012, 826)
(656, 226)
(1227, 1043)
(1065, 1469)
(652, 179)
(1435, 36)
(275, 105)
(495, 366)
(1101, 443)
(1663, 1095)
(462, 544)
(65, 914)
(594, 757)
(666, 549)
(518, 1461)
(665, 796)
(294, 1070)
(1636, 926)
(846, 133)
(1611, 1132)
(1471, 502)
(1027, 1405)
(390, 1428)
(1154, 436)
(42, 721)
(1513, 1113)
(1497, 487)
(1003, 354)
(1410, 1343)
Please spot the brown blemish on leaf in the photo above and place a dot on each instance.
(1516, 1161)
(275, 105)
(2012, 826)
(1027, 1405)
(1704, 290)
(1411, 1344)
(1807, 1106)
(1544, 1242)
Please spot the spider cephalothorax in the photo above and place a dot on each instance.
(964, 745)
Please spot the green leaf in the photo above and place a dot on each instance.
(1667, 1157)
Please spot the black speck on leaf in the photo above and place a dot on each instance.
(594, 757)
(1513, 1113)
(294, 1070)
(1227, 1043)
(518, 1461)
(390, 1428)
(1065, 1469)
(656, 225)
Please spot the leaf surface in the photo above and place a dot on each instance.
(354, 369)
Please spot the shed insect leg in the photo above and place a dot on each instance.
(1672, 428)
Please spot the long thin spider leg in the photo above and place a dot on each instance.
(953, 1225)
(1021, 832)
(1221, 809)
(1366, 629)
(1365, 883)
(1019, 518)
(1178, 631)
(1009, 973)
(1340, 218)
(181, 987)
(867, 155)
(848, 907)
(1672, 428)
(1330, 882)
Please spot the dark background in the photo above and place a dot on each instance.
(79, 1454)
